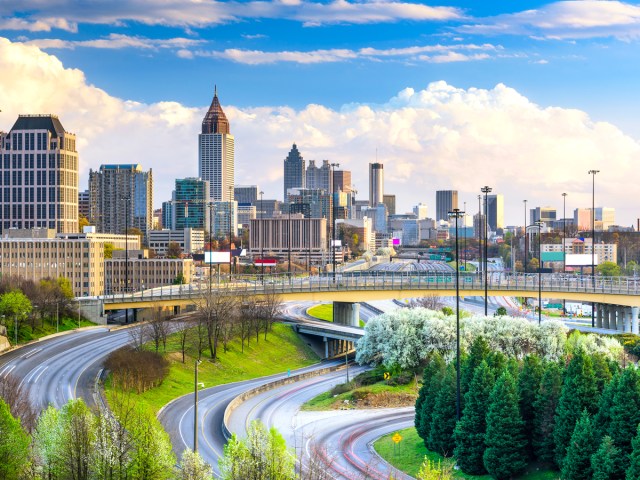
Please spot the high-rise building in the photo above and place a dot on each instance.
(390, 203)
(582, 219)
(83, 204)
(39, 174)
(542, 214)
(190, 204)
(246, 194)
(495, 211)
(605, 217)
(216, 153)
(420, 211)
(121, 197)
(446, 201)
(376, 184)
(342, 181)
(294, 171)
(319, 177)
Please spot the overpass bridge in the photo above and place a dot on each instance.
(617, 299)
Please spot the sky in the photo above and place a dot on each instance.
(525, 97)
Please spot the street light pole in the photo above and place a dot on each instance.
(333, 222)
(210, 204)
(195, 406)
(456, 213)
(289, 240)
(127, 201)
(486, 191)
(261, 236)
(564, 244)
(464, 248)
(526, 253)
(593, 240)
(539, 225)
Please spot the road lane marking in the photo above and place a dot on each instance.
(10, 369)
(40, 374)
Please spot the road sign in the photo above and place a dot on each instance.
(396, 438)
(387, 375)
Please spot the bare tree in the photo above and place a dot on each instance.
(139, 335)
(17, 398)
(431, 302)
(158, 329)
(216, 309)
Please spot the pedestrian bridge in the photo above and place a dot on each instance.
(364, 286)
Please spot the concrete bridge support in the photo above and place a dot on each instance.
(621, 318)
(627, 319)
(346, 313)
(634, 320)
(334, 347)
(599, 315)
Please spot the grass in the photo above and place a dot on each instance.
(48, 327)
(357, 389)
(408, 455)
(281, 351)
(324, 311)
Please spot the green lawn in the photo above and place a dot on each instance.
(408, 455)
(324, 311)
(26, 334)
(282, 351)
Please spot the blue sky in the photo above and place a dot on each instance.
(505, 87)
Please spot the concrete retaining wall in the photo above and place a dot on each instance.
(265, 388)
(4, 344)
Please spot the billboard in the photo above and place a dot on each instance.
(396, 242)
(217, 257)
(580, 260)
(266, 262)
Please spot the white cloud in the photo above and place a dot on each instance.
(37, 25)
(566, 20)
(439, 137)
(440, 54)
(118, 41)
(203, 13)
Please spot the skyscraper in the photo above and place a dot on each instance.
(376, 184)
(216, 153)
(294, 171)
(190, 204)
(342, 181)
(121, 197)
(495, 211)
(246, 194)
(319, 177)
(446, 201)
(39, 174)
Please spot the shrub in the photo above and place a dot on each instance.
(139, 370)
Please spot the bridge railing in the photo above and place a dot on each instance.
(427, 281)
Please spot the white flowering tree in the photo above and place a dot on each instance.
(193, 467)
(406, 336)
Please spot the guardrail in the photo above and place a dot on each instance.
(280, 284)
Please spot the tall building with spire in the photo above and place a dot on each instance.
(376, 184)
(294, 171)
(216, 153)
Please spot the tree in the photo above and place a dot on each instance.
(528, 386)
(432, 377)
(262, 455)
(505, 455)
(108, 250)
(14, 445)
(179, 280)
(602, 419)
(478, 352)
(577, 463)
(15, 305)
(82, 222)
(430, 470)
(500, 312)
(625, 413)
(608, 269)
(443, 416)
(579, 392)
(193, 467)
(633, 472)
(16, 396)
(47, 442)
(605, 463)
(151, 454)
(470, 431)
(174, 250)
(544, 408)
(110, 458)
(77, 437)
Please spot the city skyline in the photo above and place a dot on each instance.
(470, 85)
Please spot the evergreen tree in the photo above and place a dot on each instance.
(504, 456)
(544, 407)
(497, 361)
(470, 430)
(577, 463)
(605, 463)
(601, 370)
(579, 392)
(443, 416)
(528, 387)
(625, 413)
(434, 369)
(602, 419)
(478, 352)
(14, 445)
(633, 472)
